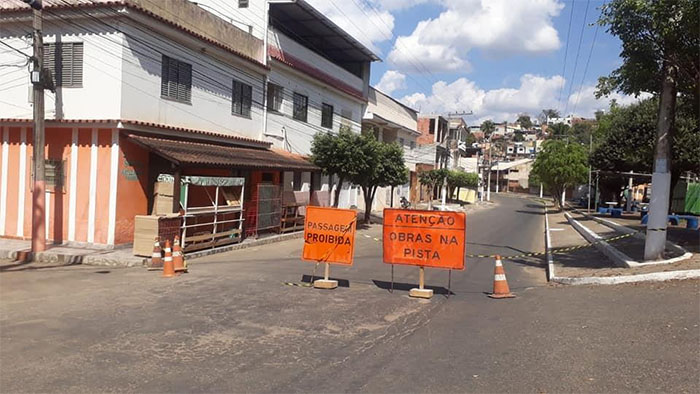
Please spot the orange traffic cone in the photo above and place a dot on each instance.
(168, 268)
(500, 284)
(156, 257)
(178, 258)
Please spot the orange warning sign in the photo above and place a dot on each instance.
(329, 235)
(424, 238)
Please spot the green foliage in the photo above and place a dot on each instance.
(360, 159)
(470, 139)
(651, 32)
(524, 121)
(518, 136)
(560, 165)
(628, 133)
(625, 142)
(459, 179)
(559, 130)
(488, 127)
(432, 178)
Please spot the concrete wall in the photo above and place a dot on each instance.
(99, 96)
(380, 104)
(251, 19)
(210, 108)
(289, 46)
(285, 132)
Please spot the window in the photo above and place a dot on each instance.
(53, 173)
(176, 80)
(327, 116)
(268, 177)
(432, 126)
(242, 97)
(297, 181)
(301, 107)
(413, 144)
(242, 3)
(65, 63)
(274, 97)
(401, 141)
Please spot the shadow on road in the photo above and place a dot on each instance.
(311, 279)
(408, 286)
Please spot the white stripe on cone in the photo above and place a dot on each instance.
(500, 277)
(498, 263)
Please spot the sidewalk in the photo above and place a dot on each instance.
(60, 255)
(589, 261)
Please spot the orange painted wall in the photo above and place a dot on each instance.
(58, 142)
(104, 142)
(83, 184)
(12, 182)
(132, 187)
(28, 185)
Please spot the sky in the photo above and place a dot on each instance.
(494, 58)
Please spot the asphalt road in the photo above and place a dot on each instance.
(232, 325)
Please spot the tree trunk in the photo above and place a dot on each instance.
(655, 243)
(367, 193)
(337, 192)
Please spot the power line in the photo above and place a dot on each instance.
(585, 69)
(566, 53)
(578, 50)
(15, 49)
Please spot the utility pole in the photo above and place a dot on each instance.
(488, 185)
(39, 187)
(655, 242)
(590, 169)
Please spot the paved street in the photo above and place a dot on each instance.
(232, 325)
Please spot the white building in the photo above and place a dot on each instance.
(392, 122)
(141, 89)
(318, 80)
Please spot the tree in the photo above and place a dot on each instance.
(431, 179)
(625, 142)
(661, 55)
(488, 127)
(470, 139)
(559, 130)
(560, 165)
(548, 114)
(524, 121)
(460, 179)
(389, 170)
(341, 155)
(518, 136)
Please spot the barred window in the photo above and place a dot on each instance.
(301, 107)
(242, 3)
(327, 116)
(53, 173)
(242, 97)
(176, 80)
(274, 97)
(64, 60)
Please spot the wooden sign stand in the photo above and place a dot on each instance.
(421, 292)
(326, 283)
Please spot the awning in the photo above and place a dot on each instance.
(190, 154)
(300, 20)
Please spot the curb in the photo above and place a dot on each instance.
(615, 280)
(626, 230)
(618, 258)
(548, 245)
(70, 259)
(245, 245)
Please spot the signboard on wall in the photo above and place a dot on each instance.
(424, 238)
